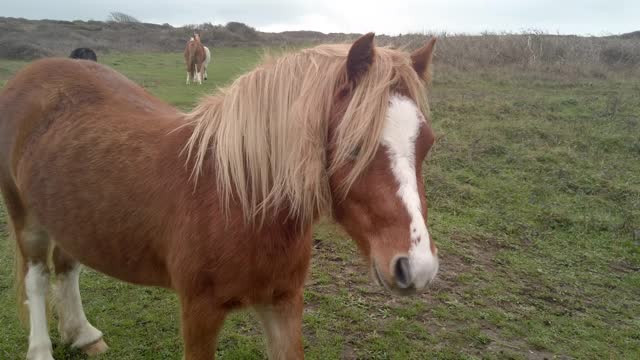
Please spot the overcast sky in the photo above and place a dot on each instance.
(585, 17)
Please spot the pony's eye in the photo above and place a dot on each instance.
(355, 152)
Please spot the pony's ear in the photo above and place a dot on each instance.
(360, 57)
(422, 57)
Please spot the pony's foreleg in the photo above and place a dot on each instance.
(282, 323)
(201, 324)
(73, 325)
(188, 77)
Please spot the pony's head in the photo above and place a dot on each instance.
(334, 129)
(384, 207)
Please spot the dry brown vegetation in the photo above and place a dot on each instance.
(535, 51)
(594, 56)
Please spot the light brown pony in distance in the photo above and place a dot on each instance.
(194, 57)
(217, 204)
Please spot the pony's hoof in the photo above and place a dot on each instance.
(96, 348)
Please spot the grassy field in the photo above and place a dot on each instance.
(534, 191)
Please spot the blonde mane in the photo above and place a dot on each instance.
(268, 131)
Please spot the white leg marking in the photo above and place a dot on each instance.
(188, 78)
(36, 284)
(399, 138)
(73, 325)
(276, 343)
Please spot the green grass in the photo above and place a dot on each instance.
(534, 191)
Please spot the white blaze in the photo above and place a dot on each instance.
(399, 138)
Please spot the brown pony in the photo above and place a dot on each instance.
(194, 57)
(217, 204)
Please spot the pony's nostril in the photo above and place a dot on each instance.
(402, 273)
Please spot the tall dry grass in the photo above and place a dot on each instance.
(532, 51)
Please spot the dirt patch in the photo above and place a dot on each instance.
(473, 253)
(624, 267)
(516, 348)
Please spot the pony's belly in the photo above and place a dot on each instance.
(116, 259)
(97, 202)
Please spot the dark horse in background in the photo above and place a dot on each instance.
(84, 53)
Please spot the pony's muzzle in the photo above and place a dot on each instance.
(424, 267)
(411, 274)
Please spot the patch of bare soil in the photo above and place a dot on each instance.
(516, 348)
(624, 267)
(474, 254)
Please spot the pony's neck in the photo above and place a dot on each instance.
(266, 136)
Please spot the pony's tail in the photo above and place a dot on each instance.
(19, 274)
(19, 277)
(194, 69)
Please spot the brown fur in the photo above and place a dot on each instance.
(95, 163)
